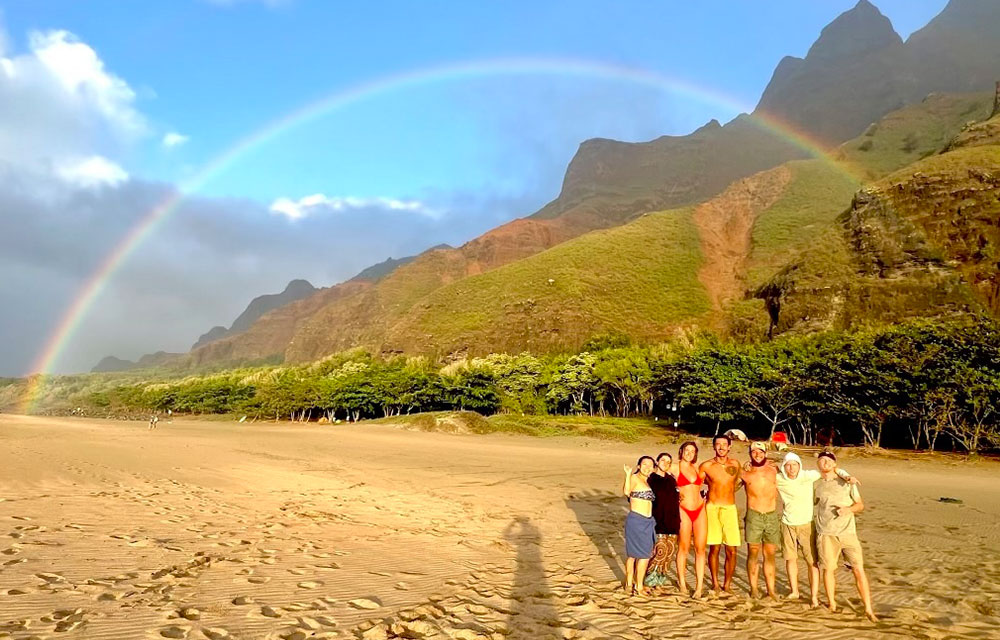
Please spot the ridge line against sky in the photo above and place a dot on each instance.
(492, 167)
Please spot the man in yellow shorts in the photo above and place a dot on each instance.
(723, 476)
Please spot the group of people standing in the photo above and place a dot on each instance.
(675, 507)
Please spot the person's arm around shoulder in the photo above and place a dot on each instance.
(810, 475)
(847, 477)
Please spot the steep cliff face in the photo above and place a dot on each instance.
(923, 242)
(854, 73)
(670, 171)
(860, 69)
(959, 50)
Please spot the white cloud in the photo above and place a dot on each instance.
(60, 105)
(76, 66)
(297, 209)
(90, 172)
(174, 139)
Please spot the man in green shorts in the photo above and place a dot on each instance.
(763, 520)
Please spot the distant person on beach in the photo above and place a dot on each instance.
(666, 513)
(153, 421)
(693, 522)
(798, 530)
(763, 521)
(640, 528)
(837, 502)
(723, 476)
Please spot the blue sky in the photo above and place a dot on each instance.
(219, 71)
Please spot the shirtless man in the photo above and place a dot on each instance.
(722, 474)
(763, 521)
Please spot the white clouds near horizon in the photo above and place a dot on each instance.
(92, 171)
(318, 202)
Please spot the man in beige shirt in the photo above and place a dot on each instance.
(837, 502)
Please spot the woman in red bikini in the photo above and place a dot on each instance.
(694, 523)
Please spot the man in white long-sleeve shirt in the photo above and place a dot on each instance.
(798, 531)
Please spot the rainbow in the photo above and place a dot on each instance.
(99, 279)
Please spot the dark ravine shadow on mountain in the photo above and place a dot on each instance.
(531, 606)
(601, 515)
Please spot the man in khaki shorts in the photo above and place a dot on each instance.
(798, 532)
(837, 502)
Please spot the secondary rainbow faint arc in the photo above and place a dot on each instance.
(97, 282)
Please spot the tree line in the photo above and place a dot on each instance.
(922, 385)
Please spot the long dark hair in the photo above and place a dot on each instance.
(680, 452)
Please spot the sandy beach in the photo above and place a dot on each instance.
(221, 530)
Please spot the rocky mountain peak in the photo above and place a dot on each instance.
(854, 32)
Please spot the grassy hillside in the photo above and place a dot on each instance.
(640, 278)
(914, 132)
(818, 192)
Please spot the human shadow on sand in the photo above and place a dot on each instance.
(532, 610)
(601, 515)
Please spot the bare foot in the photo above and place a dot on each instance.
(871, 616)
(814, 604)
(833, 608)
(642, 592)
(792, 596)
(697, 594)
(754, 592)
(627, 587)
(772, 597)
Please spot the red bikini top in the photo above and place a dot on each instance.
(682, 480)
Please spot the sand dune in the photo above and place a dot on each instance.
(217, 530)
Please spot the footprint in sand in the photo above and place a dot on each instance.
(364, 603)
(174, 631)
(215, 633)
(258, 579)
(310, 584)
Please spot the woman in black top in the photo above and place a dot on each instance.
(667, 516)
